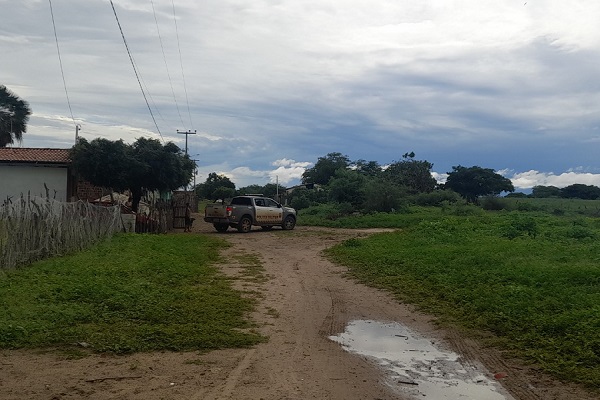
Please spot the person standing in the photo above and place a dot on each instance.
(188, 218)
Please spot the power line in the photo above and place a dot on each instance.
(165, 59)
(181, 63)
(62, 72)
(135, 69)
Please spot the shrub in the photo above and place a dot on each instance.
(437, 198)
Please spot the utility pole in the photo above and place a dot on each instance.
(77, 129)
(186, 133)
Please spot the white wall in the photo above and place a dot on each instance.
(16, 180)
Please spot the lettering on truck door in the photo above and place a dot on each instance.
(275, 212)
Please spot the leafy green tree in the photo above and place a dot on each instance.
(414, 174)
(251, 189)
(14, 116)
(580, 191)
(213, 182)
(347, 186)
(473, 182)
(325, 168)
(222, 193)
(145, 165)
(368, 168)
(545, 191)
(382, 195)
(105, 163)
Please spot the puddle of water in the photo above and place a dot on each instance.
(416, 366)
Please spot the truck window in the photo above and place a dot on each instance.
(241, 201)
(259, 202)
(271, 203)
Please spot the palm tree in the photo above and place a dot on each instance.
(14, 115)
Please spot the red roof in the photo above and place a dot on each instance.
(34, 155)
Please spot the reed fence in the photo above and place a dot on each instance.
(33, 228)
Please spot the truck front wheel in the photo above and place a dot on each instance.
(289, 223)
(221, 227)
(245, 225)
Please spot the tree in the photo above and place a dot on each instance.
(222, 193)
(145, 165)
(413, 174)
(347, 186)
(368, 168)
(214, 181)
(545, 191)
(473, 182)
(383, 196)
(580, 191)
(325, 168)
(14, 116)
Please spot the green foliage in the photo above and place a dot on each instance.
(545, 191)
(269, 190)
(473, 182)
(412, 174)
(384, 196)
(144, 165)
(436, 198)
(519, 225)
(325, 168)
(159, 293)
(494, 204)
(222, 193)
(537, 290)
(214, 181)
(347, 186)
(580, 191)
(14, 116)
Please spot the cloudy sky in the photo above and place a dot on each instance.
(271, 85)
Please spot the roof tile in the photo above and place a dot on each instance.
(34, 155)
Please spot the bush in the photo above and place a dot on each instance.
(437, 198)
(494, 204)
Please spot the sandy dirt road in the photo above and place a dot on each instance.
(303, 300)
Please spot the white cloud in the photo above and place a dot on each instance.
(529, 179)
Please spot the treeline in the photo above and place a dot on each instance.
(366, 186)
(575, 191)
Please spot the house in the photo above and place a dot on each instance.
(36, 172)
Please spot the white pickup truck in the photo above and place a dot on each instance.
(245, 211)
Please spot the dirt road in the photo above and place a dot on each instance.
(303, 300)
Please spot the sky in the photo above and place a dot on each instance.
(269, 86)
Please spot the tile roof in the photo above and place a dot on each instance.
(34, 155)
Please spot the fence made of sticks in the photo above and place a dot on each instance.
(33, 228)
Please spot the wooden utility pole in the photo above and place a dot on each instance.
(186, 133)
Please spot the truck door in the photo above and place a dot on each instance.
(275, 211)
(267, 212)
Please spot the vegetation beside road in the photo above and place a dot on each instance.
(532, 279)
(131, 293)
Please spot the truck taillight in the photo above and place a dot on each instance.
(229, 210)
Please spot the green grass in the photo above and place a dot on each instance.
(533, 280)
(129, 294)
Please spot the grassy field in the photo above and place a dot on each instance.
(131, 293)
(530, 278)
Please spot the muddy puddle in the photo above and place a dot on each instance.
(416, 367)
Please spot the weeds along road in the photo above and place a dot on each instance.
(302, 300)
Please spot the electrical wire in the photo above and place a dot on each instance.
(62, 72)
(135, 69)
(165, 59)
(181, 63)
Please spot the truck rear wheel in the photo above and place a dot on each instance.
(221, 227)
(289, 223)
(245, 225)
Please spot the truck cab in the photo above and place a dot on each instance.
(245, 211)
